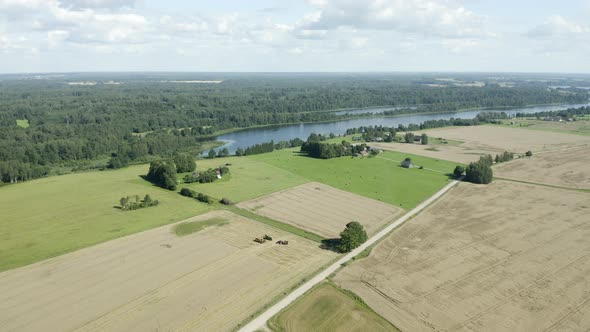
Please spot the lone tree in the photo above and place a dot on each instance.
(424, 140)
(529, 153)
(459, 170)
(409, 137)
(352, 236)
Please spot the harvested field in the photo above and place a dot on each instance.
(327, 308)
(501, 257)
(566, 168)
(495, 139)
(210, 280)
(452, 153)
(323, 210)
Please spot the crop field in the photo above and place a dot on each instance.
(380, 178)
(51, 216)
(454, 153)
(248, 179)
(580, 127)
(566, 168)
(506, 256)
(210, 280)
(323, 210)
(495, 139)
(326, 308)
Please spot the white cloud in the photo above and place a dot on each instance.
(558, 26)
(421, 17)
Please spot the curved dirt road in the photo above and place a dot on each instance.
(260, 321)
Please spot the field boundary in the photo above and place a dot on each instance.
(587, 191)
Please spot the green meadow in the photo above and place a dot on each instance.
(55, 215)
(381, 178)
(328, 308)
(51, 216)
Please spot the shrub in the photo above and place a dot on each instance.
(226, 201)
(459, 170)
(529, 153)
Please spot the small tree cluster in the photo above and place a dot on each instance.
(409, 137)
(163, 173)
(505, 156)
(184, 163)
(198, 196)
(207, 176)
(352, 236)
(481, 171)
(130, 203)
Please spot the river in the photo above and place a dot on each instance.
(245, 138)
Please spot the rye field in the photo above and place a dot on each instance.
(210, 280)
(505, 256)
(323, 210)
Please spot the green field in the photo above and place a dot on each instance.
(55, 215)
(327, 308)
(249, 178)
(379, 178)
(186, 228)
(51, 216)
(23, 123)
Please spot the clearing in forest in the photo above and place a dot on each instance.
(210, 280)
(506, 256)
(323, 210)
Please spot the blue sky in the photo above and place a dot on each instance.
(291, 35)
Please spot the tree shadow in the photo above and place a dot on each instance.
(330, 244)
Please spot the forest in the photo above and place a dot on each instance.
(48, 125)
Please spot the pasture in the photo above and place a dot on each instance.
(566, 168)
(380, 178)
(505, 256)
(322, 210)
(327, 308)
(248, 178)
(210, 280)
(55, 215)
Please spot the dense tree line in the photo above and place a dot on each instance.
(143, 119)
(198, 196)
(569, 113)
(503, 157)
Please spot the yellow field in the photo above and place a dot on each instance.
(323, 210)
(483, 140)
(567, 168)
(206, 281)
(501, 257)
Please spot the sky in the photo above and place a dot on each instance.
(39, 36)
